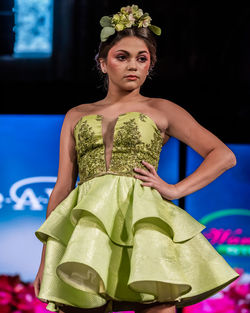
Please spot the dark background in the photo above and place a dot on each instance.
(203, 62)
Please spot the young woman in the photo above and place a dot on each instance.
(117, 238)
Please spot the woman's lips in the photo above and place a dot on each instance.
(131, 77)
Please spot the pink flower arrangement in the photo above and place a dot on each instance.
(235, 298)
(19, 297)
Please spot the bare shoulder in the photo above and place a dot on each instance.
(165, 105)
(78, 109)
(74, 114)
(174, 113)
(165, 111)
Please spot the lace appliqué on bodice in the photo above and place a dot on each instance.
(136, 137)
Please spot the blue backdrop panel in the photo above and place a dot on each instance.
(29, 165)
(168, 168)
(223, 206)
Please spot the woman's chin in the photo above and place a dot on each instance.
(131, 85)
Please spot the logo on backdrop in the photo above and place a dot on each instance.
(32, 193)
(232, 240)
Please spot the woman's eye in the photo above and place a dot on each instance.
(121, 56)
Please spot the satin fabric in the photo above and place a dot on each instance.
(114, 240)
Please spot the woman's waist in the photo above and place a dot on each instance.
(121, 167)
(84, 179)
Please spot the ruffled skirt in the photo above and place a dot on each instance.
(113, 239)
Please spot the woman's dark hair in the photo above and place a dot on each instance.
(141, 32)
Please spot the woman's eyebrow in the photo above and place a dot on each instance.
(125, 51)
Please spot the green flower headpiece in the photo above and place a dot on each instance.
(127, 17)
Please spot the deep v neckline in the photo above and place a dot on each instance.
(115, 125)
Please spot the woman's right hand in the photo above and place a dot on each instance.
(38, 279)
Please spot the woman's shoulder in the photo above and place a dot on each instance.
(164, 105)
(79, 109)
(75, 113)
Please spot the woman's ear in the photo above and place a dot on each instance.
(103, 65)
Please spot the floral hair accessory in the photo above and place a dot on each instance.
(127, 17)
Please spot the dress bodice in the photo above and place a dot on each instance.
(136, 137)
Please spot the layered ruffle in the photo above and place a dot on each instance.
(114, 239)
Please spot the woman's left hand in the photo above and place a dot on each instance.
(152, 179)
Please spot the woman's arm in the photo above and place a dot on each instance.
(67, 169)
(217, 156)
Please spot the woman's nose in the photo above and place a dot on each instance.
(132, 65)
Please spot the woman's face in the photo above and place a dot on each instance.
(129, 56)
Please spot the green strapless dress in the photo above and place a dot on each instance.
(113, 240)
